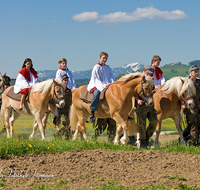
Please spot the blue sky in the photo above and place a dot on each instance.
(78, 30)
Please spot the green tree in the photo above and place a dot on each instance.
(195, 62)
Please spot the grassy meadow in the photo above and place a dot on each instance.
(21, 145)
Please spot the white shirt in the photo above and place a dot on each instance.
(71, 82)
(101, 76)
(22, 83)
(158, 82)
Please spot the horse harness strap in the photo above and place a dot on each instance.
(54, 94)
(142, 91)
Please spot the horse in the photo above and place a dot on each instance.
(37, 104)
(2, 87)
(3, 80)
(116, 105)
(167, 102)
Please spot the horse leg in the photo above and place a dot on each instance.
(124, 139)
(76, 131)
(14, 117)
(83, 130)
(6, 121)
(40, 124)
(31, 137)
(158, 129)
(177, 120)
(118, 133)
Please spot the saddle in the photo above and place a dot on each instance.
(15, 96)
(87, 96)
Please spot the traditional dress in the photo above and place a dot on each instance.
(24, 79)
(71, 83)
(158, 77)
(101, 76)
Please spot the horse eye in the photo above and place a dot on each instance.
(146, 88)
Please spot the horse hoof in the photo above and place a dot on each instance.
(123, 141)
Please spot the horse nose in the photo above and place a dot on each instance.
(62, 104)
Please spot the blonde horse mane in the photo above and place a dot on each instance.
(180, 85)
(2, 80)
(128, 77)
(44, 86)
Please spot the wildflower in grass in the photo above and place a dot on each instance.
(30, 145)
(198, 178)
(48, 147)
(172, 189)
(196, 147)
(52, 144)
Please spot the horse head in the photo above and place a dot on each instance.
(1, 84)
(146, 87)
(187, 93)
(57, 93)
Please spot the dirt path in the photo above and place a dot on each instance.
(96, 167)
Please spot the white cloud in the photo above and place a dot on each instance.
(86, 16)
(53, 21)
(139, 14)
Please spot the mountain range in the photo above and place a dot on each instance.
(132, 67)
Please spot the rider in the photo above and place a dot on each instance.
(191, 132)
(71, 83)
(157, 74)
(64, 70)
(101, 78)
(143, 111)
(26, 78)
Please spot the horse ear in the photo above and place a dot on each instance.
(4, 75)
(144, 79)
(182, 80)
(54, 81)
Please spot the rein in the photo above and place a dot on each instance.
(54, 94)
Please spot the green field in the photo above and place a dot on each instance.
(170, 71)
(21, 145)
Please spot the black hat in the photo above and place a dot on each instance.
(193, 67)
(64, 76)
(149, 69)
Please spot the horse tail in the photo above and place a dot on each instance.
(73, 118)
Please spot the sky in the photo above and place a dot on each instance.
(128, 30)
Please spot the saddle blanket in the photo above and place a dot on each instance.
(15, 96)
(87, 96)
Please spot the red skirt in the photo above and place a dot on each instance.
(24, 91)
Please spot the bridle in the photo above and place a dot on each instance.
(145, 98)
(54, 95)
(185, 99)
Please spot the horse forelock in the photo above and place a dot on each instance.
(179, 84)
(188, 85)
(43, 86)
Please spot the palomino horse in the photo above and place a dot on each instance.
(3, 80)
(2, 87)
(117, 103)
(36, 105)
(167, 102)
